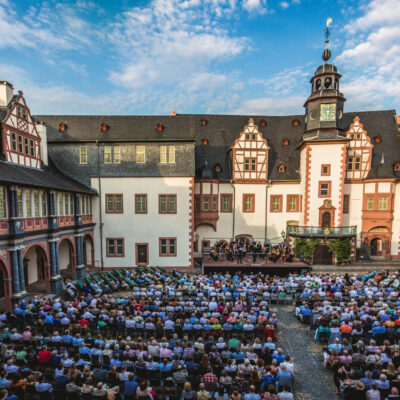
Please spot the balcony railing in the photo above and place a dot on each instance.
(317, 231)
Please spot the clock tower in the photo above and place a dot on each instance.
(324, 107)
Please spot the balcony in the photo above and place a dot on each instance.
(320, 232)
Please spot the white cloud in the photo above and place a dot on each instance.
(284, 4)
(371, 57)
(275, 105)
(259, 6)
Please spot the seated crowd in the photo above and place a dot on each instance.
(358, 321)
(175, 336)
(251, 250)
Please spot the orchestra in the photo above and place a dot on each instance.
(243, 248)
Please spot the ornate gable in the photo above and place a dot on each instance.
(359, 151)
(250, 156)
(21, 141)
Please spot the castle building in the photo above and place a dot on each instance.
(119, 191)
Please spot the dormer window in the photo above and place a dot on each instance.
(263, 122)
(204, 142)
(296, 122)
(104, 127)
(160, 127)
(281, 168)
(217, 168)
(285, 142)
(397, 166)
(62, 127)
(203, 122)
(377, 139)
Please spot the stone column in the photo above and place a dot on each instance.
(80, 266)
(14, 271)
(55, 277)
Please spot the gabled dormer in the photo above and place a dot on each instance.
(250, 156)
(20, 138)
(359, 151)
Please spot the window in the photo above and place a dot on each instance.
(140, 154)
(117, 155)
(171, 154)
(167, 247)
(32, 148)
(167, 154)
(276, 203)
(114, 204)
(18, 111)
(324, 189)
(28, 203)
(115, 247)
(36, 204)
(107, 154)
(248, 202)
(226, 203)
(382, 203)
(14, 141)
(197, 203)
(353, 163)
(281, 168)
(292, 203)
(370, 203)
(60, 203)
(20, 202)
(206, 204)
(346, 199)
(167, 204)
(141, 203)
(250, 164)
(24, 114)
(20, 145)
(71, 204)
(3, 203)
(66, 204)
(163, 154)
(325, 169)
(215, 203)
(27, 146)
(44, 204)
(83, 155)
(85, 205)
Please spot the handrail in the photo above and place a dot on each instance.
(319, 231)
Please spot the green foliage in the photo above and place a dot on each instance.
(342, 248)
(304, 249)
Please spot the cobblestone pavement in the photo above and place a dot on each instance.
(313, 381)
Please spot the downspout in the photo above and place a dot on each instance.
(233, 210)
(266, 210)
(100, 207)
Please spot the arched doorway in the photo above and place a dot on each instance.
(36, 271)
(5, 289)
(326, 219)
(88, 251)
(322, 255)
(67, 259)
(376, 247)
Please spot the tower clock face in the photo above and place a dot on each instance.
(328, 112)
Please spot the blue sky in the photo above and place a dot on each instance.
(196, 56)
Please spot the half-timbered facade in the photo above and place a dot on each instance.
(46, 222)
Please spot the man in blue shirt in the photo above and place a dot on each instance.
(130, 387)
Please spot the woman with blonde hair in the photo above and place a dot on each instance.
(187, 392)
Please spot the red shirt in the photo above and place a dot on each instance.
(44, 356)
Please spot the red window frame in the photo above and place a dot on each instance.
(114, 195)
(274, 196)
(115, 247)
(230, 196)
(291, 196)
(320, 183)
(328, 173)
(168, 254)
(167, 202)
(253, 199)
(136, 204)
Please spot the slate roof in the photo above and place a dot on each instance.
(49, 177)
(221, 132)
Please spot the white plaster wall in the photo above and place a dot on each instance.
(145, 228)
(396, 221)
(325, 154)
(353, 218)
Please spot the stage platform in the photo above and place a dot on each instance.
(267, 268)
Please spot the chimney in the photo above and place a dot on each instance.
(42, 131)
(6, 93)
(173, 113)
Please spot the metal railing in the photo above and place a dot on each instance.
(317, 231)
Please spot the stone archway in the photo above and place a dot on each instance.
(5, 288)
(88, 251)
(36, 269)
(66, 254)
(378, 239)
(376, 246)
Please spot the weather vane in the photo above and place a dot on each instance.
(326, 55)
